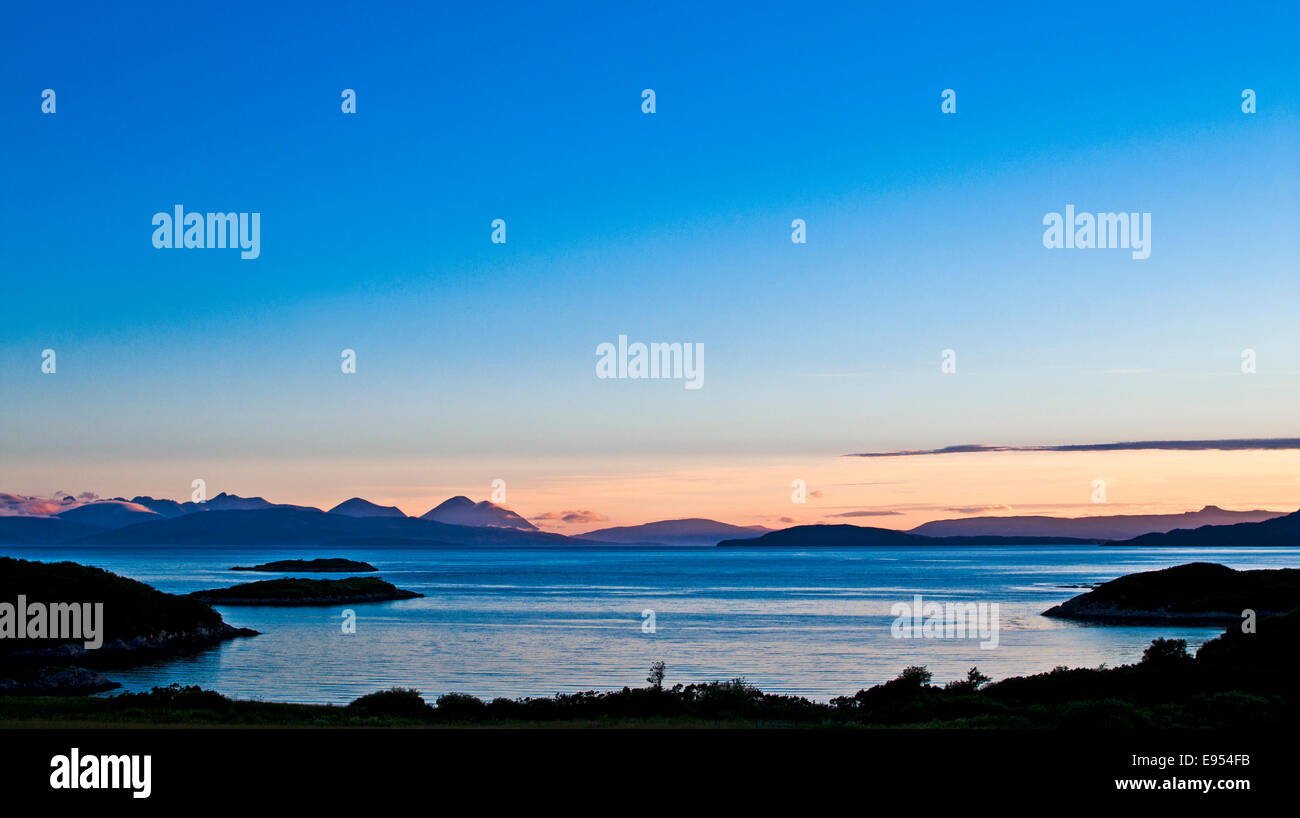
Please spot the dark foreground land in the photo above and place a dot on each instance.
(1237, 680)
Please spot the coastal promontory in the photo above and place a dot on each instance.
(1195, 592)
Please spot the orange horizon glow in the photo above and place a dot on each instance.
(749, 490)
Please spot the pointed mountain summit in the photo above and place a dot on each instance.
(461, 510)
(358, 507)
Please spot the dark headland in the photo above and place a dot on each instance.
(140, 624)
(1196, 592)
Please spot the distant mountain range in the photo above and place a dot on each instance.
(691, 531)
(1107, 527)
(293, 526)
(1276, 531)
(229, 519)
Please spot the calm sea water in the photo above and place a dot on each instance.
(535, 621)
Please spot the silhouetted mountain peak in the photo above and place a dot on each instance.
(359, 507)
(460, 510)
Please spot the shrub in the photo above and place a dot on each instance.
(398, 702)
(175, 697)
(460, 706)
(1165, 652)
(913, 676)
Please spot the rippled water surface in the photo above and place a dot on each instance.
(534, 621)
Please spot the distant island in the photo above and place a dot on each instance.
(690, 531)
(284, 592)
(842, 535)
(328, 565)
(1096, 527)
(1281, 531)
(1196, 592)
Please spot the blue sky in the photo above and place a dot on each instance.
(924, 230)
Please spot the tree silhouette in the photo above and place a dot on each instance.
(656, 677)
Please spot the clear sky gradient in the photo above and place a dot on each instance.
(477, 360)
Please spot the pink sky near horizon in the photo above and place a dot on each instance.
(748, 490)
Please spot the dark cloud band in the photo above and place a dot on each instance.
(1265, 443)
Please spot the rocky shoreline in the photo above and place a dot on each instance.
(63, 681)
(1119, 616)
(66, 669)
(134, 651)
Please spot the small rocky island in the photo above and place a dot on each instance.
(1197, 592)
(296, 591)
(329, 565)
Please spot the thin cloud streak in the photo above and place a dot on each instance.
(868, 514)
(1247, 444)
